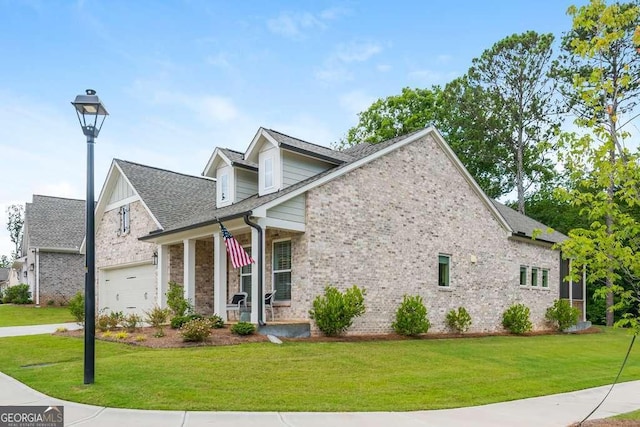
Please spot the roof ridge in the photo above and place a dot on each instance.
(163, 169)
(306, 142)
(57, 197)
(231, 149)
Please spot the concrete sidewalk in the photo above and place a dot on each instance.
(556, 410)
(14, 331)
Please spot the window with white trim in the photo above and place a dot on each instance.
(282, 270)
(124, 220)
(267, 167)
(224, 187)
(523, 275)
(245, 277)
(444, 262)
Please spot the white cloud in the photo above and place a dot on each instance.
(357, 52)
(295, 24)
(335, 70)
(333, 73)
(219, 60)
(356, 101)
(218, 108)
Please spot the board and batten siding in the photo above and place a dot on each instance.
(246, 184)
(291, 210)
(296, 168)
(121, 191)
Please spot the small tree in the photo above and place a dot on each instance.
(411, 317)
(76, 307)
(334, 312)
(176, 300)
(15, 222)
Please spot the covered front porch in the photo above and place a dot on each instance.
(197, 259)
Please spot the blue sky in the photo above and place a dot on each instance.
(180, 77)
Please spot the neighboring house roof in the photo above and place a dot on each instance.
(54, 223)
(304, 147)
(4, 274)
(524, 226)
(170, 196)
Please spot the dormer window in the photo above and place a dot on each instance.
(268, 172)
(224, 187)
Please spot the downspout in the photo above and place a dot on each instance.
(36, 272)
(260, 268)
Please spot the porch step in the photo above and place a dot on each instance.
(580, 326)
(287, 330)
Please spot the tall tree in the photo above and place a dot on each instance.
(4, 262)
(515, 75)
(15, 222)
(601, 71)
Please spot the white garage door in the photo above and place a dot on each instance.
(129, 290)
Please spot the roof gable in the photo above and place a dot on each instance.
(55, 223)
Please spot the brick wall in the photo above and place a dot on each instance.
(204, 272)
(61, 276)
(382, 227)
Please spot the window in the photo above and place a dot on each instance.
(245, 277)
(523, 275)
(282, 270)
(534, 276)
(224, 187)
(268, 173)
(124, 220)
(443, 270)
(545, 278)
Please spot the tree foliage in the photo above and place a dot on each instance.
(4, 262)
(15, 223)
(601, 58)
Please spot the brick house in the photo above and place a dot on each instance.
(400, 217)
(52, 264)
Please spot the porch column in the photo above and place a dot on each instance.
(162, 274)
(219, 276)
(255, 292)
(190, 271)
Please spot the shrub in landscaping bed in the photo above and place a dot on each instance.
(157, 317)
(176, 300)
(411, 317)
(131, 322)
(459, 320)
(243, 328)
(178, 321)
(562, 315)
(216, 322)
(196, 330)
(18, 294)
(516, 319)
(334, 311)
(76, 307)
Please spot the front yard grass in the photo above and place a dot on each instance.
(322, 376)
(24, 315)
(635, 415)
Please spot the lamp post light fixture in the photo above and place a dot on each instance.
(90, 109)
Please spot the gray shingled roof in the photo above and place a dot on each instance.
(172, 197)
(308, 147)
(523, 225)
(237, 157)
(54, 222)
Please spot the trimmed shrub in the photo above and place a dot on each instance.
(334, 312)
(76, 307)
(178, 321)
(516, 319)
(176, 300)
(562, 315)
(459, 320)
(18, 294)
(108, 322)
(243, 328)
(411, 317)
(216, 322)
(196, 330)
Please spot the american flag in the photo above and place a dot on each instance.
(239, 257)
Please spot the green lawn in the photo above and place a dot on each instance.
(298, 376)
(635, 415)
(22, 315)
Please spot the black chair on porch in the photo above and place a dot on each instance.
(268, 302)
(238, 303)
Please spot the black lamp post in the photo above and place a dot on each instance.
(89, 109)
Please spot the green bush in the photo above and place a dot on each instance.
(411, 317)
(108, 322)
(157, 317)
(76, 307)
(195, 330)
(334, 312)
(516, 319)
(562, 315)
(18, 294)
(178, 321)
(176, 300)
(216, 322)
(243, 328)
(459, 320)
(131, 322)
